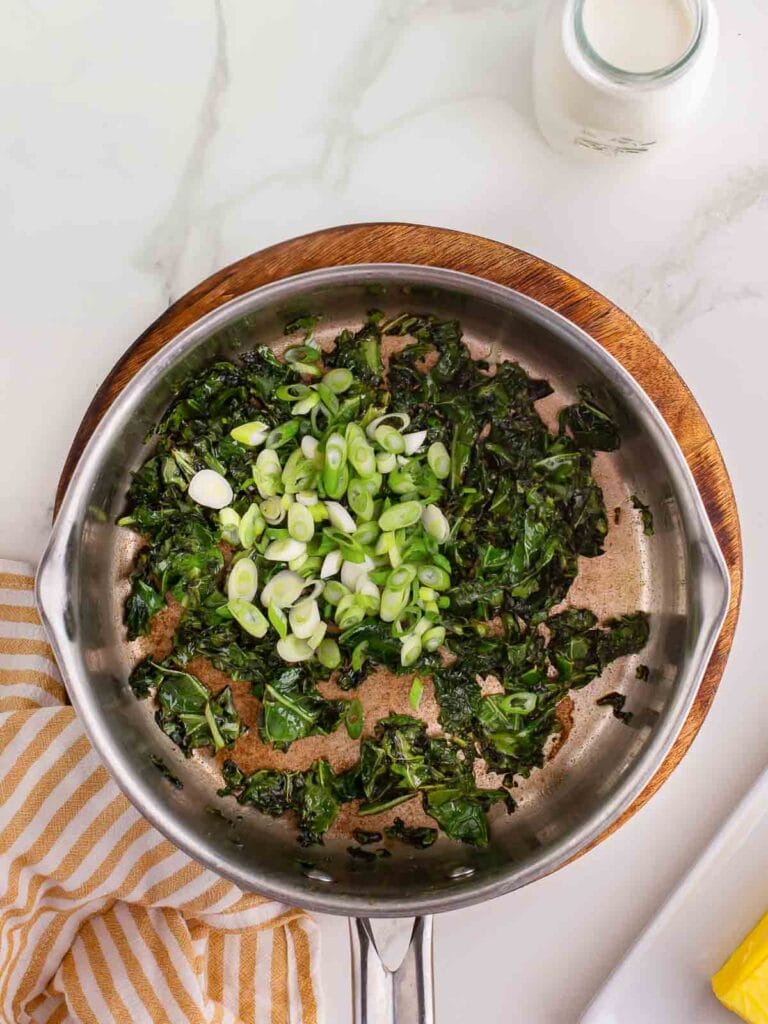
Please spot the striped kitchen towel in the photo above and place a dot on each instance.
(101, 919)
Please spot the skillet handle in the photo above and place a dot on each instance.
(392, 970)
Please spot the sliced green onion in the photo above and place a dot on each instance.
(367, 533)
(340, 518)
(293, 392)
(307, 498)
(350, 549)
(399, 516)
(210, 489)
(414, 441)
(273, 510)
(331, 564)
(433, 638)
(251, 526)
(283, 589)
(318, 511)
(283, 434)
(408, 619)
(297, 564)
(352, 571)
(299, 472)
(427, 594)
(389, 439)
(401, 577)
(384, 543)
(292, 649)
(439, 460)
(243, 580)
(334, 591)
(302, 354)
(311, 567)
(422, 626)
(433, 576)
(386, 462)
(339, 380)
(328, 653)
(285, 550)
(360, 500)
(410, 650)
(349, 611)
(330, 401)
(314, 418)
(359, 654)
(435, 523)
(267, 473)
(301, 525)
(317, 587)
(373, 426)
(304, 618)
(309, 446)
(250, 434)
(230, 521)
(414, 695)
(392, 604)
(306, 369)
(361, 456)
(431, 608)
(373, 483)
(303, 406)
(278, 618)
(318, 634)
(400, 481)
(353, 718)
(248, 616)
(333, 466)
(368, 588)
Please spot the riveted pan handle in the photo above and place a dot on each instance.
(392, 970)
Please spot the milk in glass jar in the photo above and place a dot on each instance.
(618, 78)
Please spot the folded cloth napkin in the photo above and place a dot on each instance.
(101, 919)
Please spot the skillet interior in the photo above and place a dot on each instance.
(674, 575)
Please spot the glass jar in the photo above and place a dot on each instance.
(590, 107)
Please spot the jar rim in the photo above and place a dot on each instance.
(577, 43)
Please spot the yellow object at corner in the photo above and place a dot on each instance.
(741, 984)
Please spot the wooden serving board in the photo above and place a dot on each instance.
(439, 247)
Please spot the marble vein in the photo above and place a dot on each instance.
(165, 250)
(666, 295)
(342, 139)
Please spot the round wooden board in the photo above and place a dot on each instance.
(613, 329)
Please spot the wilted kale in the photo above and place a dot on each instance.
(646, 516)
(590, 425)
(292, 708)
(365, 838)
(418, 836)
(313, 796)
(360, 353)
(369, 856)
(166, 772)
(402, 761)
(523, 507)
(616, 702)
(190, 714)
(511, 729)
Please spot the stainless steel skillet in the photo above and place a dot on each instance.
(678, 575)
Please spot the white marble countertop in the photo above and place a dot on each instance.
(144, 145)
